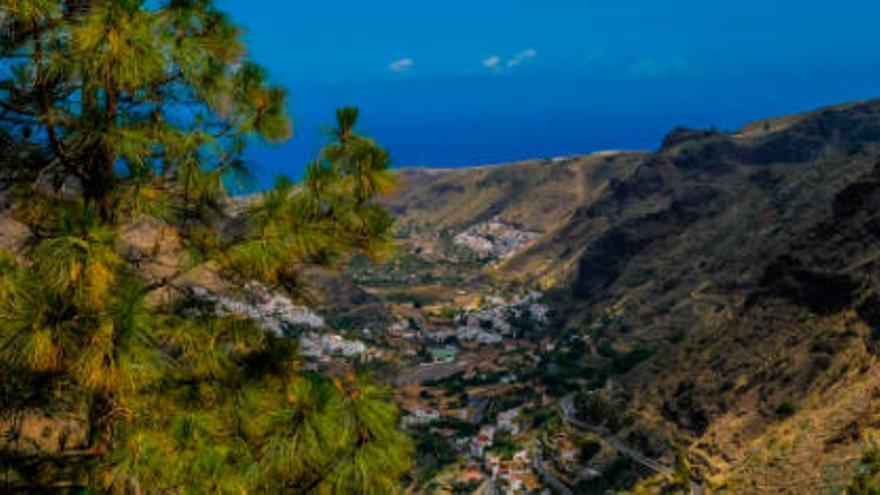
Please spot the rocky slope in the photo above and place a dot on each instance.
(743, 268)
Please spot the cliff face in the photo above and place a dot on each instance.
(747, 264)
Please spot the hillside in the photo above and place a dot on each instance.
(538, 196)
(740, 269)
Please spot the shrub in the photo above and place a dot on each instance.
(822, 362)
(630, 360)
(786, 410)
(867, 481)
(596, 408)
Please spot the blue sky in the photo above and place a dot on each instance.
(456, 82)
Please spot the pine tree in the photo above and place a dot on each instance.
(113, 111)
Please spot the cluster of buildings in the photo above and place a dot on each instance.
(515, 473)
(272, 312)
(494, 239)
(491, 325)
(507, 421)
(445, 354)
(482, 441)
(502, 319)
(420, 417)
(323, 347)
(278, 314)
(477, 335)
(510, 474)
(565, 450)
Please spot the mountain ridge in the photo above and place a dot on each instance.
(741, 266)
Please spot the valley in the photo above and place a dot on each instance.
(708, 304)
(698, 319)
(219, 277)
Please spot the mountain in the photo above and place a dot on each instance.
(730, 279)
(537, 196)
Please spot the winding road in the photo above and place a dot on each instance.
(556, 483)
(566, 404)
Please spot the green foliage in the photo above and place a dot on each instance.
(504, 445)
(131, 99)
(118, 110)
(462, 488)
(618, 475)
(630, 360)
(867, 481)
(682, 468)
(433, 453)
(785, 410)
(328, 215)
(596, 408)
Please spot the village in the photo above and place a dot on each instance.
(472, 374)
(477, 389)
(468, 381)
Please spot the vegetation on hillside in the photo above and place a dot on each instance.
(114, 111)
(867, 481)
